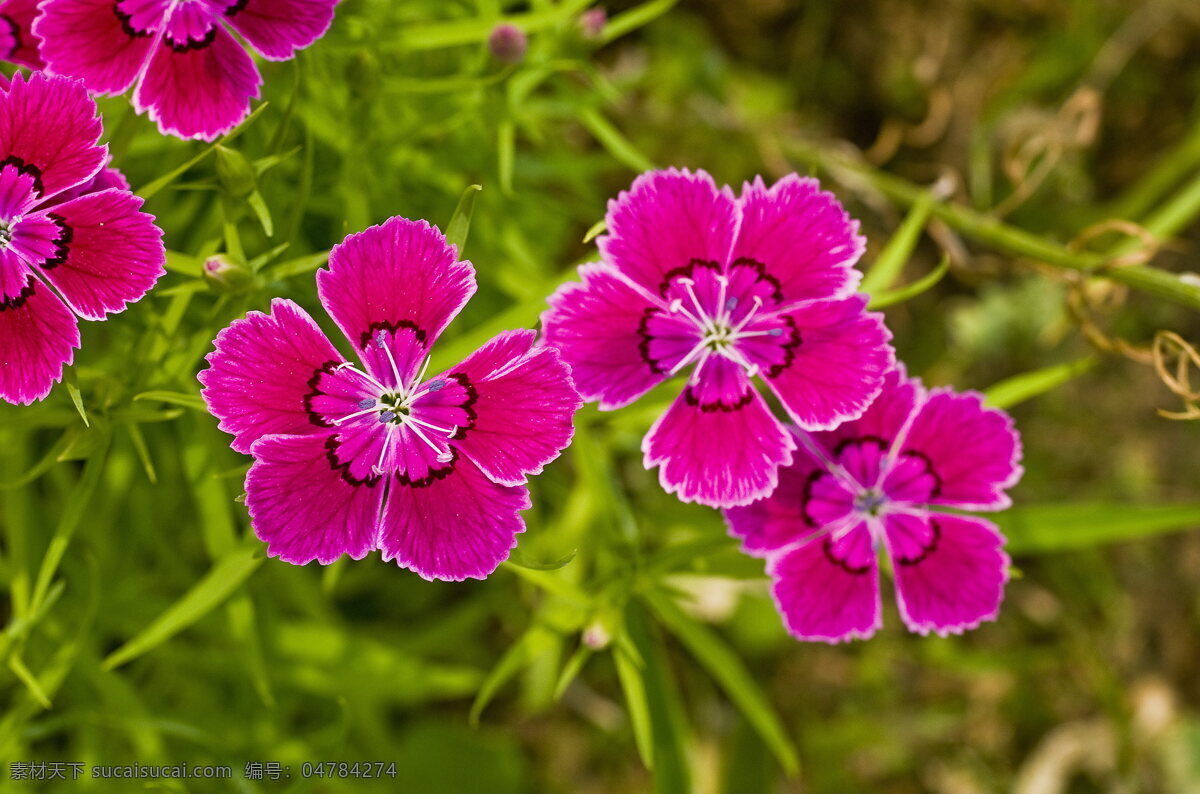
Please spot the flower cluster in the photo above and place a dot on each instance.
(73, 239)
(762, 284)
(185, 66)
(751, 297)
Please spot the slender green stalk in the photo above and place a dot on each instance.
(1180, 289)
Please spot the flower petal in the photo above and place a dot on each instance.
(95, 41)
(889, 414)
(37, 337)
(49, 125)
(277, 28)
(263, 369)
(720, 454)
(801, 236)
(301, 506)
(201, 89)
(974, 451)
(829, 591)
(398, 275)
(837, 367)
(666, 220)
(523, 406)
(16, 23)
(105, 252)
(598, 327)
(950, 571)
(802, 504)
(460, 525)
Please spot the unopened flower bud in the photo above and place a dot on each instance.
(234, 172)
(507, 43)
(592, 22)
(597, 635)
(225, 274)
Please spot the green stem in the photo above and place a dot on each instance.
(1011, 240)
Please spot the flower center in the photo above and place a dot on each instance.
(394, 409)
(6, 235)
(719, 334)
(870, 502)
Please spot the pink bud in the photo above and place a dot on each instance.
(507, 43)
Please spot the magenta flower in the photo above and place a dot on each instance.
(883, 482)
(348, 460)
(73, 240)
(17, 42)
(195, 79)
(732, 287)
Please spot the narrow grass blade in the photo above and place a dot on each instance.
(1027, 385)
(887, 268)
(729, 672)
(222, 580)
(1039, 529)
(460, 221)
(910, 291)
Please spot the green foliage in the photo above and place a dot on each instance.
(627, 645)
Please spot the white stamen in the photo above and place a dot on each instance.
(676, 307)
(695, 351)
(704, 320)
(758, 302)
(422, 423)
(381, 339)
(722, 310)
(387, 442)
(348, 367)
(417, 380)
(417, 432)
(355, 415)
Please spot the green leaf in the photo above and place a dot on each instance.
(183, 263)
(73, 512)
(77, 401)
(26, 677)
(668, 725)
(506, 152)
(548, 581)
(193, 401)
(143, 452)
(150, 188)
(630, 676)
(611, 139)
(52, 456)
(571, 670)
(910, 291)
(460, 221)
(255, 200)
(1037, 529)
(511, 663)
(222, 580)
(1027, 385)
(298, 266)
(729, 672)
(887, 268)
(598, 228)
(518, 559)
(634, 18)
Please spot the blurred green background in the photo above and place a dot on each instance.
(142, 622)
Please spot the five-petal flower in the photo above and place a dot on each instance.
(761, 284)
(73, 239)
(882, 483)
(348, 459)
(192, 76)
